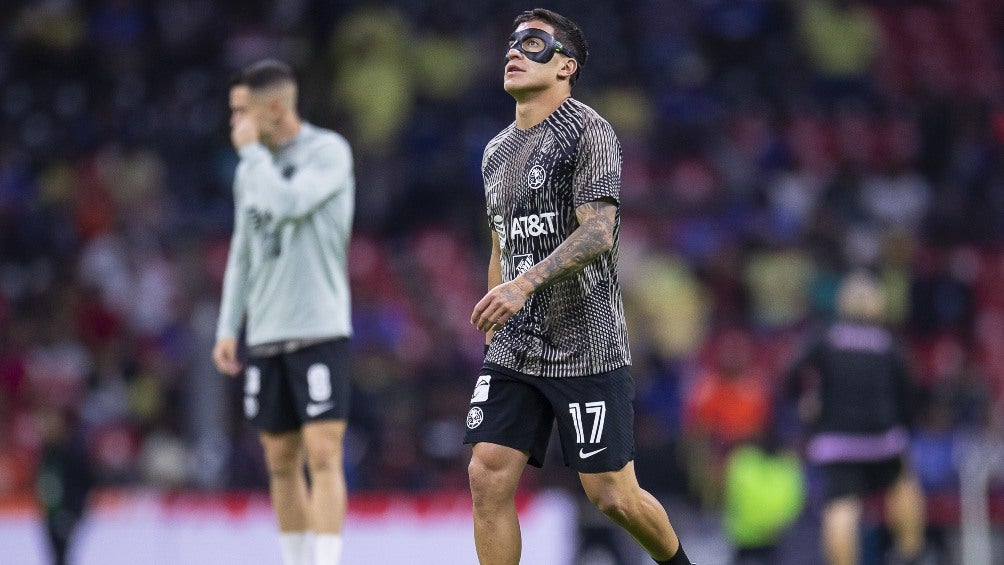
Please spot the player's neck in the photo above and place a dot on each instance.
(535, 108)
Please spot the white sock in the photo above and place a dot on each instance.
(295, 548)
(328, 549)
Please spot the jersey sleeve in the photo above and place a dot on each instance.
(597, 173)
(807, 356)
(233, 303)
(324, 174)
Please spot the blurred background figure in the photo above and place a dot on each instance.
(63, 481)
(859, 407)
(843, 39)
(763, 494)
(286, 292)
(727, 406)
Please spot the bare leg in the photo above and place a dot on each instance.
(841, 518)
(494, 474)
(905, 515)
(286, 481)
(328, 498)
(618, 495)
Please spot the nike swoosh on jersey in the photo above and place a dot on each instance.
(585, 455)
(316, 409)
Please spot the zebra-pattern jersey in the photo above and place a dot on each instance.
(534, 180)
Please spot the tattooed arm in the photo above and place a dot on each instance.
(594, 236)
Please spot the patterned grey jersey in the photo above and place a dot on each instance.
(534, 180)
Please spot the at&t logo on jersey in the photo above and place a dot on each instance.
(533, 225)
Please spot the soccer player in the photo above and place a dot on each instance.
(64, 480)
(286, 274)
(859, 409)
(554, 321)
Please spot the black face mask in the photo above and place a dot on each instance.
(538, 45)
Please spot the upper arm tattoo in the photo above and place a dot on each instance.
(599, 215)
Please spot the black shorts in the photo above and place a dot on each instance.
(860, 478)
(284, 391)
(594, 413)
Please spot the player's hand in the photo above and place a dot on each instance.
(244, 132)
(501, 302)
(225, 356)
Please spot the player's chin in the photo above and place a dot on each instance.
(512, 82)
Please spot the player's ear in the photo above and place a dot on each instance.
(275, 106)
(568, 68)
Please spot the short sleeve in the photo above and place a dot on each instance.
(598, 164)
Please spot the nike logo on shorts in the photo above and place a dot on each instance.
(318, 409)
(587, 455)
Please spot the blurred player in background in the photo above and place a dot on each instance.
(64, 479)
(858, 396)
(286, 274)
(554, 319)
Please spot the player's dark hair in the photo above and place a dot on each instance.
(565, 30)
(264, 74)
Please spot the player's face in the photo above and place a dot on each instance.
(523, 74)
(240, 104)
(246, 105)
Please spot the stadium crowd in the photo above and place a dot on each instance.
(769, 147)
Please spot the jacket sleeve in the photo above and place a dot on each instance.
(233, 303)
(322, 175)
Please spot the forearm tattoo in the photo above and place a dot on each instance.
(593, 236)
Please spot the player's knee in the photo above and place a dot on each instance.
(323, 457)
(479, 477)
(614, 508)
(487, 484)
(615, 505)
(282, 458)
(284, 466)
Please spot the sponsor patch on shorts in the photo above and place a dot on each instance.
(481, 389)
